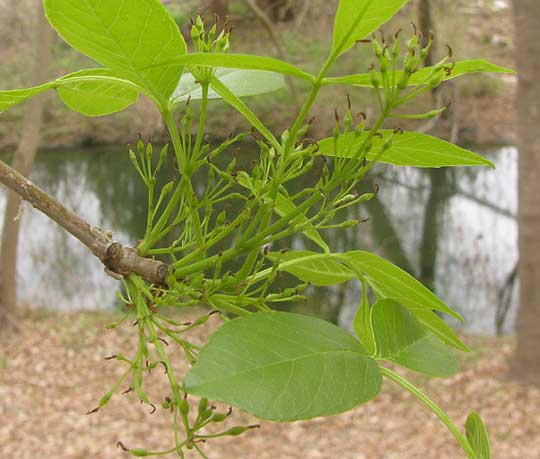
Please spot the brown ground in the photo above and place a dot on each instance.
(53, 372)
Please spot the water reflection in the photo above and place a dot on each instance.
(475, 244)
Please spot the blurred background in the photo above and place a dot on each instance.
(454, 229)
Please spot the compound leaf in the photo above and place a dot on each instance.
(237, 61)
(356, 19)
(402, 339)
(92, 92)
(14, 97)
(437, 325)
(126, 36)
(390, 281)
(284, 367)
(242, 83)
(477, 436)
(457, 69)
(317, 269)
(87, 93)
(362, 321)
(407, 149)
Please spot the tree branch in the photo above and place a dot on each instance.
(116, 258)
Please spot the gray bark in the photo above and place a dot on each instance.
(526, 362)
(23, 160)
(118, 260)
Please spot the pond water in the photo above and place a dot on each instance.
(476, 245)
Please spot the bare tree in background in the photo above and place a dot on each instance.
(219, 8)
(439, 181)
(23, 160)
(279, 10)
(526, 362)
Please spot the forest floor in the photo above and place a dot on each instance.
(52, 372)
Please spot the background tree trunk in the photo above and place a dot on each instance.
(278, 10)
(23, 159)
(526, 362)
(219, 8)
(425, 24)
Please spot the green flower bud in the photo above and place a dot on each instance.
(105, 399)
(220, 417)
(226, 44)
(395, 49)
(133, 158)
(436, 80)
(285, 137)
(206, 414)
(212, 32)
(167, 188)
(349, 224)
(203, 405)
(346, 199)
(201, 320)
(243, 178)
(184, 407)
(403, 81)
(139, 452)
(412, 44)
(199, 23)
(336, 133)
(220, 219)
(195, 35)
(232, 165)
(375, 79)
(424, 53)
(377, 48)
(410, 64)
(347, 120)
(166, 404)
(359, 129)
(188, 115)
(164, 152)
(140, 147)
(235, 431)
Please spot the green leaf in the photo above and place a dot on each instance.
(477, 436)
(9, 99)
(392, 282)
(284, 206)
(402, 339)
(237, 61)
(459, 69)
(437, 325)
(93, 92)
(407, 149)
(126, 36)
(96, 92)
(242, 83)
(317, 269)
(356, 19)
(362, 321)
(244, 110)
(284, 367)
